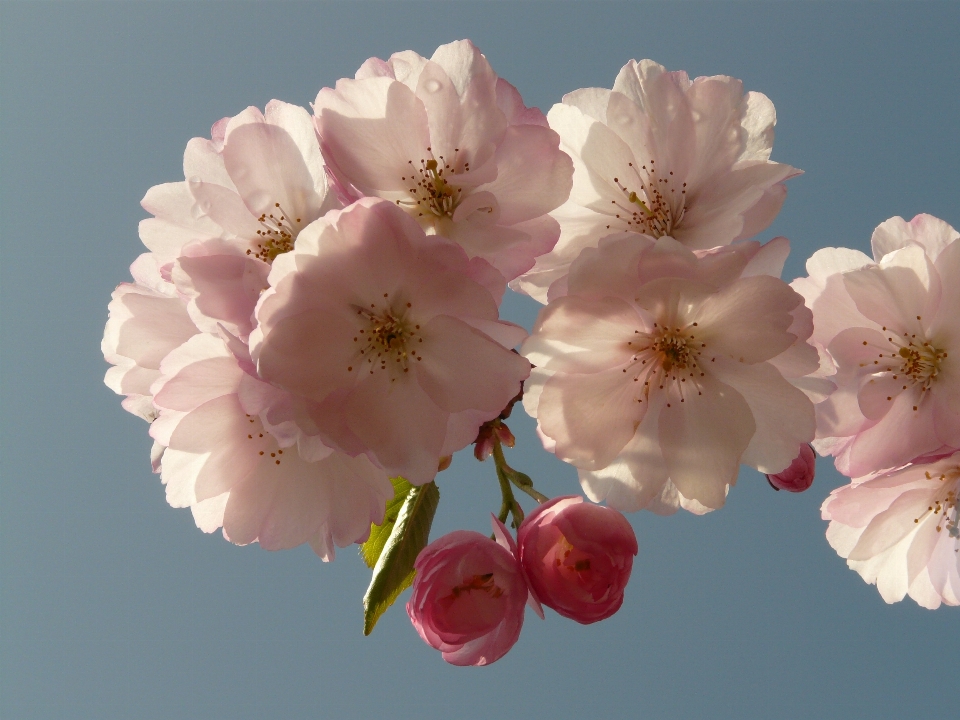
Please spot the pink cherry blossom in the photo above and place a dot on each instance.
(662, 155)
(226, 443)
(660, 370)
(248, 193)
(891, 330)
(577, 557)
(235, 181)
(382, 330)
(799, 476)
(469, 595)
(900, 530)
(223, 463)
(146, 321)
(453, 144)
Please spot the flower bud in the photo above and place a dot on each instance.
(468, 596)
(577, 557)
(799, 476)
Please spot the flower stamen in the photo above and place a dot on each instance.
(385, 340)
(661, 205)
(433, 193)
(276, 236)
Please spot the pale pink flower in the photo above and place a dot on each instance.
(577, 557)
(900, 530)
(223, 463)
(469, 595)
(663, 155)
(226, 443)
(799, 475)
(891, 328)
(453, 144)
(146, 321)
(248, 193)
(661, 370)
(382, 331)
(214, 451)
(253, 162)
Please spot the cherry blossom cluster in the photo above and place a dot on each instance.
(315, 330)
(888, 328)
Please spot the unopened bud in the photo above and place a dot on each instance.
(799, 476)
(483, 447)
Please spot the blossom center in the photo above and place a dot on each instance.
(653, 204)
(674, 351)
(386, 340)
(482, 583)
(569, 558)
(913, 361)
(432, 193)
(921, 362)
(276, 235)
(667, 356)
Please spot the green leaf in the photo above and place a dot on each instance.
(394, 571)
(371, 549)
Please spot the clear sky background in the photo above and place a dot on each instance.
(113, 605)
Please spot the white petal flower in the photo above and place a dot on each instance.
(900, 530)
(223, 463)
(387, 336)
(453, 144)
(662, 155)
(891, 329)
(656, 372)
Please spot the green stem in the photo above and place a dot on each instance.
(522, 481)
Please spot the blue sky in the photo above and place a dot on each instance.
(113, 605)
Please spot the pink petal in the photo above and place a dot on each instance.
(371, 130)
(267, 167)
(222, 289)
(638, 475)
(579, 335)
(892, 525)
(894, 295)
(461, 368)
(400, 423)
(783, 415)
(533, 175)
(703, 438)
(511, 105)
(899, 436)
(591, 416)
(312, 353)
(601, 274)
(748, 320)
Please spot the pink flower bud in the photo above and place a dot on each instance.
(577, 557)
(468, 596)
(799, 476)
(484, 446)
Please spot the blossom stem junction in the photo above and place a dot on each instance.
(507, 475)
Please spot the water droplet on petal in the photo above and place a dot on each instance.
(432, 85)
